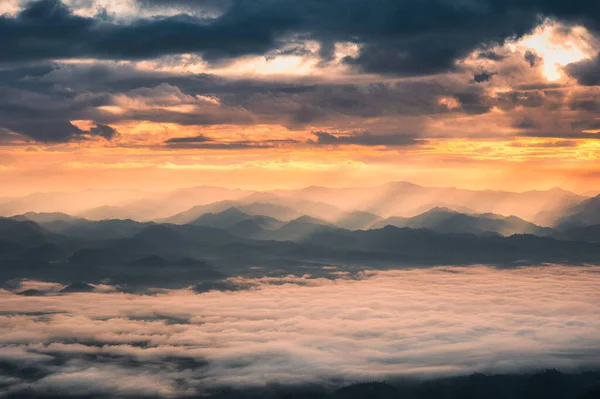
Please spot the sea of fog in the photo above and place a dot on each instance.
(376, 325)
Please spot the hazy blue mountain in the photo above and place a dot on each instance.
(204, 235)
(160, 234)
(277, 211)
(274, 211)
(392, 199)
(195, 212)
(300, 228)
(592, 193)
(583, 233)
(428, 246)
(150, 257)
(407, 199)
(157, 261)
(448, 221)
(289, 207)
(221, 220)
(97, 230)
(23, 232)
(48, 217)
(587, 213)
(257, 227)
(158, 206)
(108, 212)
(71, 203)
(357, 220)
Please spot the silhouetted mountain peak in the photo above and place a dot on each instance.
(22, 232)
(78, 287)
(261, 197)
(233, 211)
(31, 292)
(45, 217)
(402, 184)
(222, 219)
(586, 213)
(310, 220)
(441, 209)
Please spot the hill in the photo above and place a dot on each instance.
(448, 221)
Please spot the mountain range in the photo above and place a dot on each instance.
(271, 233)
(400, 199)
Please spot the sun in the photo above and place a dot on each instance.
(558, 46)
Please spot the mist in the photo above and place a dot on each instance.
(289, 331)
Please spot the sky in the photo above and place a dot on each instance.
(261, 94)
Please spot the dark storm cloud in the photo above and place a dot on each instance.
(473, 102)
(527, 99)
(532, 58)
(491, 55)
(586, 72)
(203, 142)
(48, 29)
(368, 139)
(539, 86)
(398, 37)
(44, 113)
(483, 77)
(590, 105)
(55, 131)
(525, 123)
(561, 135)
(591, 124)
(322, 139)
(39, 101)
(103, 131)
(189, 140)
(548, 144)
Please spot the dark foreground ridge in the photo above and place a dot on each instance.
(129, 253)
(547, 384)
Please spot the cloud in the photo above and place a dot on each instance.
(84, 73)
(203, 142)
(491, 55)
(103, 131)
(367, 139)
(293, 330)
(189, 140)
(586, 72)
(483, 77)
(147, 38)
(53, 131)
(561, 135)
(548, 144)
(400, 38)
(323, 139)
(532, 58)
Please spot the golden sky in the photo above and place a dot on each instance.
(518, 114)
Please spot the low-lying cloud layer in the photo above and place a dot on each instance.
(424, 323)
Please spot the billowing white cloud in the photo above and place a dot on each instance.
(381, 324)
